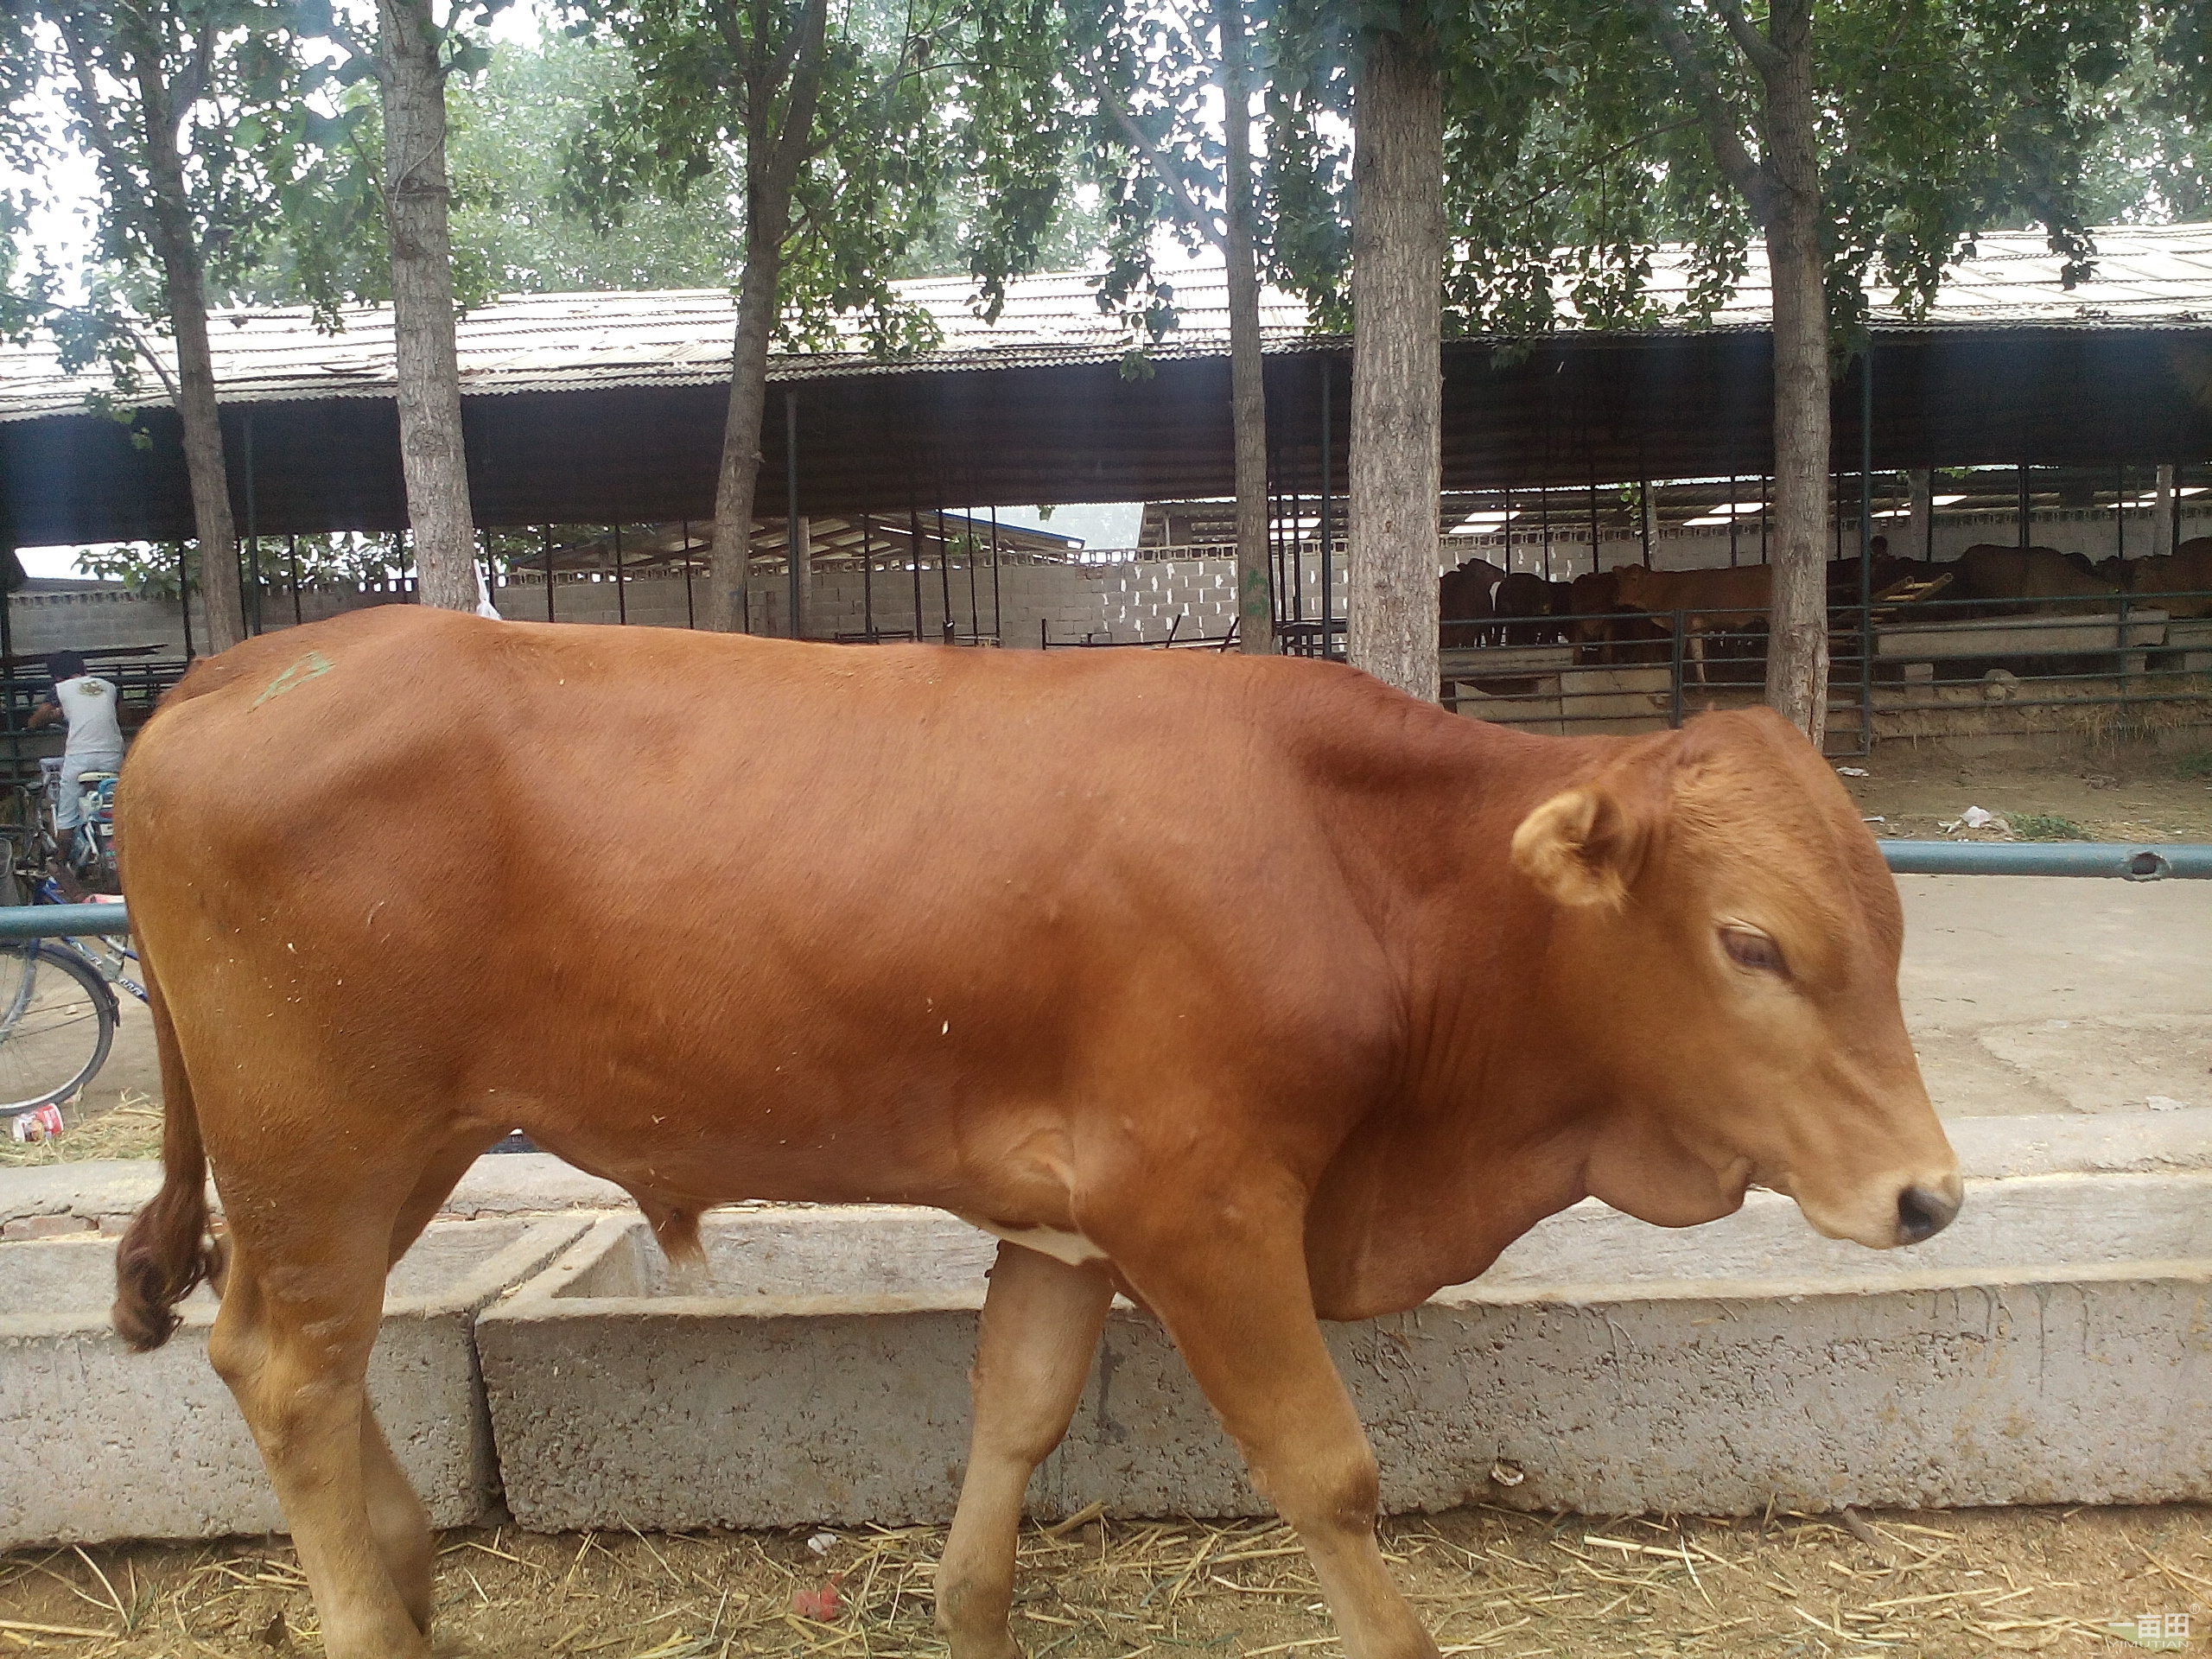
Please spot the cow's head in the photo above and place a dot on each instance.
(1726, 948)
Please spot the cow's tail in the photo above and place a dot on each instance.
(167, 1250)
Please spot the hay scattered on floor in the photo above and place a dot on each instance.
(1485, 1581)
(130, 1128)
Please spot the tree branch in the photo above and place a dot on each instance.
(1715, 109)
(89, 112)
(139, 343)
(191, 86)
(1186, 204)
(1599, 165)
(1754, 45)
(806, 57)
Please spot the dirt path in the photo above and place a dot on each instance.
(1968, 1583)
(2111, 795)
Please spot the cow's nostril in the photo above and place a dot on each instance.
(1922, 1214)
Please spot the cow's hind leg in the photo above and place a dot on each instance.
(397, 1521)
(298, 1319)
(1040, 1324)
(303, 1297)
(1235, 1300)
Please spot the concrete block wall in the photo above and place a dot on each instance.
(93, 618)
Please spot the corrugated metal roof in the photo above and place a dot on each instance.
(2158, 275)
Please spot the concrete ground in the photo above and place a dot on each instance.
(2028, 995)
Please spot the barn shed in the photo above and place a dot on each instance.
(594, 424)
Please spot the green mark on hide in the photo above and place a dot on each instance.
(311, 666)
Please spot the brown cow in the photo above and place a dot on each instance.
(1710, 601)
(1463, 604)
(2187, 569)
(1602, 633)
(1246, 985)
(1990, 575)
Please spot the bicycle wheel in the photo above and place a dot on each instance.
(57, 1019)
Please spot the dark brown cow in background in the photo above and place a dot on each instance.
(1245, 985)
(1604, 633)
(2187, 569)
(1463, 599)
(1525, 604)
(1996, 577)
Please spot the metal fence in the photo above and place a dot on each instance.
(1932, 668)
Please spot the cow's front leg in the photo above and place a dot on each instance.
(1236, 1299)
(1040, 1324)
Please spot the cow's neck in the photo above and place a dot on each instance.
(1488, 1127)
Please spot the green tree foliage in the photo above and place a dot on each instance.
(516, 215)
(1574, 148)
(199, 115)
(845, 125)
(2155, 164)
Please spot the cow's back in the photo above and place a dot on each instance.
(562, 877)
(1992, 573)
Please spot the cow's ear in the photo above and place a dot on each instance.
(1583, 846)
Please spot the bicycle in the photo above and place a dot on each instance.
(58, 1003)
(90, 855)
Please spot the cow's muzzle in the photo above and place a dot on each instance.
(1923, 1213)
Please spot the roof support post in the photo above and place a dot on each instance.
(2119, 513)
(998, 619)
(945, 578)
(1920, 528)
(2023, 516)
(975, 617)
(9, 565)
(794, 539)
(250, 611)
(2164, 527)
(867, 579)
(914, 558)
(1867, 547)
(1328, 500)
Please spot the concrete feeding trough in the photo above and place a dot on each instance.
(2054, 1346)
(99, 1443)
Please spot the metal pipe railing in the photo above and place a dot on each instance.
(2184, 860)
(2125, 860)
(60, 921)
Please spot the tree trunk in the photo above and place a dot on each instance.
(729, 562)
(1247, 396)
(774, 154)
(1798, 642)
(433, 454)
(1397, 276)
(184, 277)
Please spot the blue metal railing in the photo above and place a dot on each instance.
(2187, 861)
(60, 921)
(2124, 860)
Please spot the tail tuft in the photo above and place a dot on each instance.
(167, 1250)
(164, 1255)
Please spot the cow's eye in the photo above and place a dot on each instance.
(1748, 948)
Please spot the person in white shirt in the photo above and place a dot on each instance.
(87, 705)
